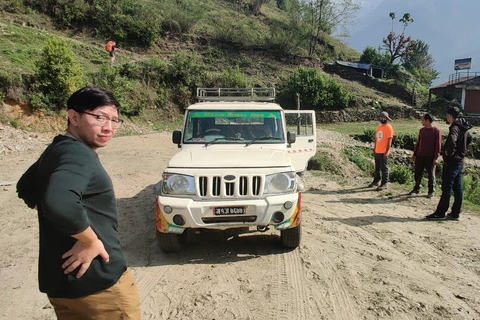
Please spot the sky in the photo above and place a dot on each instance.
(450, 28)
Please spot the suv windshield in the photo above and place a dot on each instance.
(233, 126)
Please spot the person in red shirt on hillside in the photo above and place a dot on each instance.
(426, 153)
(381, 151)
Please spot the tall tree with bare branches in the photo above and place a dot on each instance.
(399, 45)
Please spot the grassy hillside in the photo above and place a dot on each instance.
(219, 35)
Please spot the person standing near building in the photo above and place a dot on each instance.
(425, 154)
(81, 265)
(381, 151)
(453, 154)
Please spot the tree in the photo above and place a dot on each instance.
(370, 55)
(398, 45)
(58, 73)
(317, 90)
(325, 16)
(420, 63)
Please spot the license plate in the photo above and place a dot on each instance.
(221, 211)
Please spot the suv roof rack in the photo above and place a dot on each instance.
(235, 94)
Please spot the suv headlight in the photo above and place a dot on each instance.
(280, 182)
(178, 184)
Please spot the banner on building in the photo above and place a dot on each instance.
(461, 64)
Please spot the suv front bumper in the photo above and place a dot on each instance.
(174, 215)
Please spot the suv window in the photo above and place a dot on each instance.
(234, 126)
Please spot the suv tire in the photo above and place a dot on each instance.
(171, 242)
(291, 237)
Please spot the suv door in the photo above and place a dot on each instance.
(302, 122)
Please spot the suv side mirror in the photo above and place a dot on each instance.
(291, 137)
(177, 137)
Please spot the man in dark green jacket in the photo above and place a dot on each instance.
(81, 264)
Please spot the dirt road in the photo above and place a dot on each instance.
(364, 254)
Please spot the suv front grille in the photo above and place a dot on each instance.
(217, 186)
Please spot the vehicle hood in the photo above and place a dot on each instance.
(227, 158)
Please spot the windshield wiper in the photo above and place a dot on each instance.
(222, 138)
(262, 138)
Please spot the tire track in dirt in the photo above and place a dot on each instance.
(393, 252)
(290, 291)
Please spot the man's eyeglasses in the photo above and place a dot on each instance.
(102, 120)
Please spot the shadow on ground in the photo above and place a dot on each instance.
(137, 231)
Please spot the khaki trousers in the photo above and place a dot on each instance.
(121, 301)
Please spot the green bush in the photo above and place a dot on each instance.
(317, 90)
(401, 174)
(181, 17)
(471, 185)
(58, 74)
(286, 38)
(324, 162)
(127, 21)
(405, 140)
(12, 6)
(124, 90)
(14, 123)
(12, 86)
(232, 78)
(151, 72)
(241, 31)
(181, 96)
(362, 158)
(368, 135)
(185, 70)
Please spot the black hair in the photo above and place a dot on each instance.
(89, 98)
(428, 117)
(454, 112)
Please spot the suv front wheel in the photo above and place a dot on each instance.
(171, 242)
(291, 237)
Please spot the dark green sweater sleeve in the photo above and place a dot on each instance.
(67, 172)
(27, 186)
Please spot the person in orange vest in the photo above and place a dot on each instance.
(110, 47)
(381, 151)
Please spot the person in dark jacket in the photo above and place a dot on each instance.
(81, 265)
(425, 154)
(453, 153)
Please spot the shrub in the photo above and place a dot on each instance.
(151, 72)
(232, 78)
(324, 162)
(181, 17)
(123, 89)
(58, 74)
(286, 37)
(12, 6)
(361, 157)
(14, 123)
(181, 96)
(368, 135)
(236, 30)
(317, 90)
(12, 86)
(186, 70)
(405, 141)
(471, 185)
(401, 174)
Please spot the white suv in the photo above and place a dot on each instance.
(241, 165)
